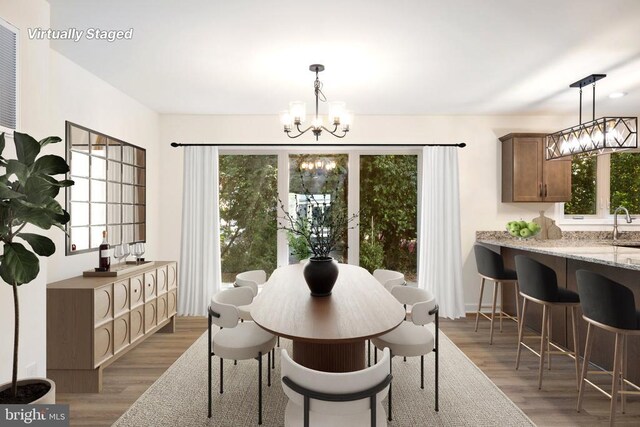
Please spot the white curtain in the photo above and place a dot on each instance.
(440, 260)
(200, 267)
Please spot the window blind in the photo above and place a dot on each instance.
(8, 76)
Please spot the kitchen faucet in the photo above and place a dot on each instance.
(627, 218)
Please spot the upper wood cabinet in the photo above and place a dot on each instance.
(527, 176)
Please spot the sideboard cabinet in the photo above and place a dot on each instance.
(93, 321)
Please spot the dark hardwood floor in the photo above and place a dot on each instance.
(554, 405)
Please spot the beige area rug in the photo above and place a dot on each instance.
(179, 396)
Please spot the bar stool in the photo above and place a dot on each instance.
(491, 267)
(610, 306)
(539, 285)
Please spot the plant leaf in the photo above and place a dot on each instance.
(50, 165)
(41, 245)
(7, 193)
(19, 265)
(27, 148)
(39, 190)
(2, 144)
(19, 169)
(49, 140)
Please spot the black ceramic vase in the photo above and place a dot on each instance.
(321, 274)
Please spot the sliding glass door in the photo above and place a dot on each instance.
(381, 187)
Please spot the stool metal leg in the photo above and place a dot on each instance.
(549, 312)
(521, 332)
(479, 304)
(422, 371)
(375, 355)
(517, 289)
(221, 374)
(260, 387)
(268, 369)
(585, 365)
(543, 336)
(615, 383)
(501, 305)
(368, 352)
(493, 310)
(576, 349)
(390, 417)
(623, 397)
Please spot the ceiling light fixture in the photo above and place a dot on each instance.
(616, 95)
(338, 117)
(601, 136)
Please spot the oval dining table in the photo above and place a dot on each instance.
(328, 333)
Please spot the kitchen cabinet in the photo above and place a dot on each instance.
(527, 176)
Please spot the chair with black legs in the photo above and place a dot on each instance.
(237, 341)
(491, 267)
(539, 285)
(609, 306)
(412, 338)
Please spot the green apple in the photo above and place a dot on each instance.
(514, 232)
(523, 224)
(525, 232)
(533, 227)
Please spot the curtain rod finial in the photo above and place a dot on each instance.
(175, 144)
(462, 145)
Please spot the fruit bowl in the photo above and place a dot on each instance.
(522, 230)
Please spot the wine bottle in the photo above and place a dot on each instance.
(104, 253)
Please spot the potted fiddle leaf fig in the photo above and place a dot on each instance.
(28, 188)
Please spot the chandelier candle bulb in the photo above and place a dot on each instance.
(297, 110)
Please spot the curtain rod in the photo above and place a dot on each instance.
(180, 144)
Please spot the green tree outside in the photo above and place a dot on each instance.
(248, 201)
(389, 208)
(583, 186)
(625, 181)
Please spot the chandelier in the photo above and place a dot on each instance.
(601, 136)
(339, 119)
(318, 165)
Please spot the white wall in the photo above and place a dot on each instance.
(480, 175)
(53, 89)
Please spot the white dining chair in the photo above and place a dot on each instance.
(237, 341)
(253, 280)
(331, 399)
(412, 338)
(388, 279)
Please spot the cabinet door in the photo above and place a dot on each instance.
(137, 323)
(121, 332)
(557, 181)
(172, 275)
(120, 297)
(150, 316)
(161, 275)
(102, 343)
(173, 302)
(136, 288)
(527, 169)
(150, 285)
(163, 308)
(103, 304)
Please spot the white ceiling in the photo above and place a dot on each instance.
(381, 57)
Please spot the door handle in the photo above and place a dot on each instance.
(540, 187)
(545, 190)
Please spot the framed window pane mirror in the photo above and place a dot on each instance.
(110, 190)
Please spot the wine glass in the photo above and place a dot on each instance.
(118, 253)
(137, 251)
(125, 251)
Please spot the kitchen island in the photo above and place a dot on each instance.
(565, 257)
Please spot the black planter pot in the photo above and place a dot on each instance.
(321, 274)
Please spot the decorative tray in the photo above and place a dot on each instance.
(119, 269)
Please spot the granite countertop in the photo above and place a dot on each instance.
(591, 247)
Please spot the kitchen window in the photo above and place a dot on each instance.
(600, 184)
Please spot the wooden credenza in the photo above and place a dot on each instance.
(93, 321)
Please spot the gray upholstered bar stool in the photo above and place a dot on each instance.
(491, 267)
(539, 285)
(610, 306)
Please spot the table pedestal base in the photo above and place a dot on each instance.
(346, 357)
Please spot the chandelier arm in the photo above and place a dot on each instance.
(344, 132)
(300, 132)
